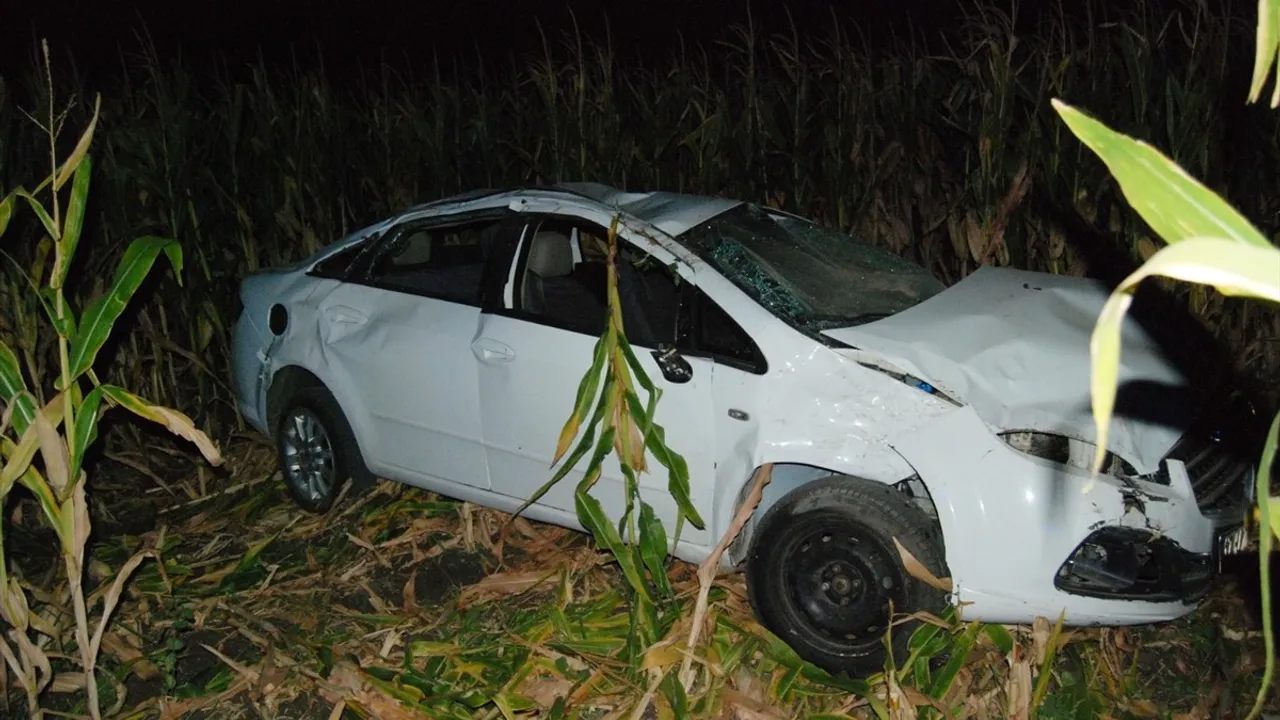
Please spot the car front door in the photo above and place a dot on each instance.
(536, 342)
(399, 333)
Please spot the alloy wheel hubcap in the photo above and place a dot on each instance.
(308, 455)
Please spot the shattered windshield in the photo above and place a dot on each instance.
(813, 277)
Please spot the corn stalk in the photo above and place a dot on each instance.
(60, 431)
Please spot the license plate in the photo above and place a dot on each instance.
(1233, 542)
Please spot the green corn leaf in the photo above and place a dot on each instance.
(1267, 51)
(999, 635)
(673, 690)
(17, 457)
(86, 430)
(1173, 203)
(176, 422)
(634, 363)
(1269, 517)
(653, 548)
(959, 655)
(1265, 469)
(1046, 668)
(584, 444)
(101, 315)
(6, 211)
(64, 325)
(1232, 267)
(677, 467)
(595, 520)
(586, 394)
(13, 390)
(74, 223)
(45, 219)
(35, 482)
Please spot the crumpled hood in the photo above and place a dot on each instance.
(1015, 346)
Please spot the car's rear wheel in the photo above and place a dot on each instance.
(823, 571)
(317, 449)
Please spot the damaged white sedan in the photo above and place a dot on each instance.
(442, 348)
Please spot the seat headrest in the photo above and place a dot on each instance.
(551, 254)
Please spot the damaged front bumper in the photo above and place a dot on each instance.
(1024, 540)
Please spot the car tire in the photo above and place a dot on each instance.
(317, 450)
(823, 568)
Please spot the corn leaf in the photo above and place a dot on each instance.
(17, 458)
(585, 444)
(45, 219)
(13, 390)
(1267, 51)
(86, 429)
(6, 211)
(101, 315)
(596, 521)
(1269, 515)
(177, 423)
(653, 547)
(73, 225)
(587, 388)
(73, 518)
(34, 481)
(1232, 267)
(1268, 509)
(1172, 202)
(53, 449)
(81, 149)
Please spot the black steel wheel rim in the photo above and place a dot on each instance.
(839, 584)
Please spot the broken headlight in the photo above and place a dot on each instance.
(1065, 451)
(1120, 563)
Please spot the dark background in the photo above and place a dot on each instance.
(351, 34)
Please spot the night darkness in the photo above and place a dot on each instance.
(351, 33)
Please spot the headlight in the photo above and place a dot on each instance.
(1065, 451)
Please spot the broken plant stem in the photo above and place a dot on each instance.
(710, 567)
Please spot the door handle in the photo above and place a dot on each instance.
(345, 315)
(488, 350)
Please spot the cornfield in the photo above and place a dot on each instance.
(953, 159)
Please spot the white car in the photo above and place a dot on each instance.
(443, 347)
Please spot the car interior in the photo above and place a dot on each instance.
(446, 263)
(566, 281)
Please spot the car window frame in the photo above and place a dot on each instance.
(511, 259)
(359, 272)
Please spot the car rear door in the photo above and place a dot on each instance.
(398, 333)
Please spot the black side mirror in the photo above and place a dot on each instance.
(673, 365)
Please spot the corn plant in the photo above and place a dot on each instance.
(626, 427)
(61, 430)
(1209, 243)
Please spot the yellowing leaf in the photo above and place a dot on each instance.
(53, 448)
(917, 570)
(177, 423)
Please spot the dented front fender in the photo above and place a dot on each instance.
(1010, 521)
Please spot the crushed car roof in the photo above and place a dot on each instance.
(672, 213)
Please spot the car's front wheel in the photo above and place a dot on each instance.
(317, 449)
(823, 572)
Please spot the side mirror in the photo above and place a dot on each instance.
(673, 365)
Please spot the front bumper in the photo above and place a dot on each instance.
(1013, 522)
